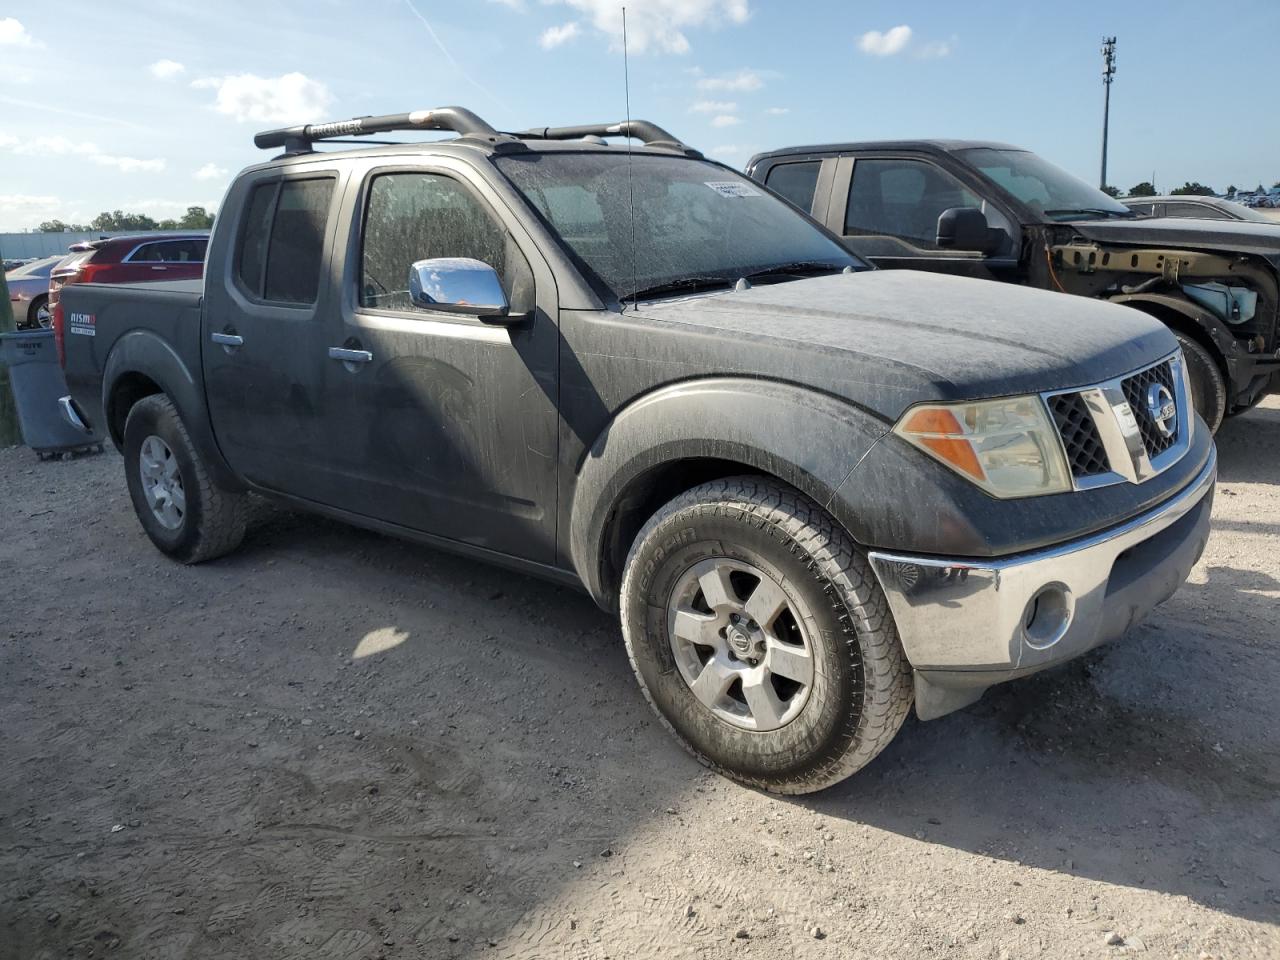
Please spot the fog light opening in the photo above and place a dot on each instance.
(1047, 616)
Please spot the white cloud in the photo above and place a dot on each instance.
(60, 146)
(166, 69)
(211, 171)
(725, 120)
(128, 164)
(739, 81)
(713, 106)
(23, 211)
(885, 44)
(292, 98)
(936, 49)
(14, 34)
(778, 111)
(554, 36)
(658, 24)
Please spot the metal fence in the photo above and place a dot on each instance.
(19, 246)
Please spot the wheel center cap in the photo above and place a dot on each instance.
(742, 642)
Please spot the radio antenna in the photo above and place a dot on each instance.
(631, 190)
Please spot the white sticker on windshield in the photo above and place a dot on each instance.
(732, 188)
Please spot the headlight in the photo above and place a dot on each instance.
(1009, 447)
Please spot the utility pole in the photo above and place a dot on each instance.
(1108, 71)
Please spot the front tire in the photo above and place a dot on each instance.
(1208, 386)
(761, 638)
(182, 510)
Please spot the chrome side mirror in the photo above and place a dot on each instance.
(458, 285)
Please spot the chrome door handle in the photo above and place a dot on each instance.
(227, 339)
(349, 356)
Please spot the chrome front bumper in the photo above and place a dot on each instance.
(967, 624)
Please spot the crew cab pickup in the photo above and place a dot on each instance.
(815, 492)
(995, 211)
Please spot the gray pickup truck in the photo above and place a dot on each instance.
(814, 491)
(994, 211)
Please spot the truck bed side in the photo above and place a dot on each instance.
(125, 341)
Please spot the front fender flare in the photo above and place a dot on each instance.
(142, 352)
(807, 439)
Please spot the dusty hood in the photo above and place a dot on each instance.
(888, 338)
(1232, 236)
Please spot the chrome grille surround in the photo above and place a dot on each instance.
(1133, 448)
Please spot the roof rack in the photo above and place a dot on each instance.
(648, 133)
(457, 119)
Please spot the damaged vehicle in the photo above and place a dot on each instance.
(815, 493)
(999, 212)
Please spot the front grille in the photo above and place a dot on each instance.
(1080, 438)
(1135, 391)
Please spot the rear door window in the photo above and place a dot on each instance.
(1198, 210)
(282, 240)
(170, 251)
(796, 182)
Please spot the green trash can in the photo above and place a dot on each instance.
(36, 378)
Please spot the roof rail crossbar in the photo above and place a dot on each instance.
(456, 119)
(648, 133)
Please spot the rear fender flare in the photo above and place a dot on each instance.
(807, 439)
(144, 353)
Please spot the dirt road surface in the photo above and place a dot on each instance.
(334, 746)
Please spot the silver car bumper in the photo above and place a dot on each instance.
(967, 624)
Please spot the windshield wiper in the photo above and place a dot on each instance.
(1095, 210)
(683, 285)
(797, 268)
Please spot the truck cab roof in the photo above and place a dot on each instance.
(861, 146)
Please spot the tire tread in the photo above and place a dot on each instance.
(813, 533)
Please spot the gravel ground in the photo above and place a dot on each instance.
(333, 746)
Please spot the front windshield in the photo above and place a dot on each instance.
(1051, 193)
(695, 223)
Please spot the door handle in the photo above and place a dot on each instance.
(227, 339)
(347, 355)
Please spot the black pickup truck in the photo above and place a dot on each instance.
(995, 211)
(815, 492)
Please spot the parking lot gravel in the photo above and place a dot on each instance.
(332, 745)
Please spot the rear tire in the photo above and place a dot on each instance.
(38, 317)
(761, 577)
(1208, 385)
(182, 510)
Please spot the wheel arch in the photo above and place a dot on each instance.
(141, 364)
(687, 434)
(1185, 317)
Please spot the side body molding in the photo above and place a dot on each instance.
(807, 439)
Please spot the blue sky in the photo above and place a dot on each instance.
(151, 106)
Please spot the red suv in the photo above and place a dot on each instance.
(171, 256)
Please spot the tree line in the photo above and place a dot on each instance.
(1188, 189)
(196, 218)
